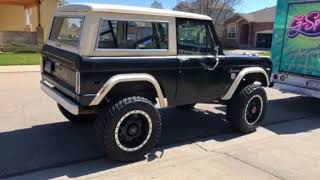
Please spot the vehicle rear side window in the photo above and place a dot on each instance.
(194, 38)
(67, 31)
(115, 34)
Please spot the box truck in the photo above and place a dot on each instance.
(296, 47)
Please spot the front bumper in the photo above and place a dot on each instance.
(61, 99)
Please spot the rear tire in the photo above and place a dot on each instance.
(76, 118)
(129, 128)
(246, 109)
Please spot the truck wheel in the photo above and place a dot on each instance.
(246, 109)
(188, 106)
(129, 128)
(76, 118)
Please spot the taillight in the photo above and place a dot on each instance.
(282, 77)
(275, 76)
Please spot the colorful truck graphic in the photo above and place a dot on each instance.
(296, 47)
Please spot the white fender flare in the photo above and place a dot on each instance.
(241, 75)
(120, 78)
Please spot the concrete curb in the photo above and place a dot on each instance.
(19, 69)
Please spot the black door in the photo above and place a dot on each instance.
(199, 70)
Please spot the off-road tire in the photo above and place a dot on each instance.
(76, 118)
(187, 106)
(109, 117)
(236, 108)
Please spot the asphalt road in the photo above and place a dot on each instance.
(34, 136)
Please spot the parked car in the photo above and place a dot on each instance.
(113, 64)
(296, 47)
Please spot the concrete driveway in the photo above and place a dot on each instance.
(36, 142)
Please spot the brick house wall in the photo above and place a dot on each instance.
(228, 43)
(260, 27)
(253, 29)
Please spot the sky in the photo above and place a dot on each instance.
(245, 7)
(254, 5)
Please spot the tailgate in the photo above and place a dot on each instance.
(59, 68)
(301, 46)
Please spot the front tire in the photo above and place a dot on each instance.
(129, 128)
(76, 118)
(246, 109)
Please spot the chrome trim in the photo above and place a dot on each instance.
(114, 80)
(130, 50)
(241, 75)
(116, 134)
(217, 63)
(59, 98)
(78, 82)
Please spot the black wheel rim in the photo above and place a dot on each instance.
(133, 130)
(254, 109)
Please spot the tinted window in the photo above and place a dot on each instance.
(194, 38)
(67, 30)
(133, 35)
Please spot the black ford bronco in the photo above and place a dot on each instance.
(115, 64)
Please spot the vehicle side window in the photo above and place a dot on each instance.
(132, 35)
(194, 38)
(67, 31)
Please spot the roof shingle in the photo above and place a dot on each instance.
(264, 15)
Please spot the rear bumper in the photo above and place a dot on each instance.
(61, 99)
(297, 90)
(296, 84)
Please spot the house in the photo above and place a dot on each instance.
(253, 30)
(26, 21)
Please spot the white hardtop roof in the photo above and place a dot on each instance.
(91, 7)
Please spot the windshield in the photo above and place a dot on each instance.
(67, 31)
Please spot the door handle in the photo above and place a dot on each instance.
(184, 58)
(207, 68)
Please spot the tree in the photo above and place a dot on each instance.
(219, 10)
(156, 4)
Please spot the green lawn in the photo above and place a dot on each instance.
(7, 59)
(265, 53)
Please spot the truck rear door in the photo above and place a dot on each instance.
(60, 57)
(301, 45)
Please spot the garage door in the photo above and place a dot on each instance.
(264, 40)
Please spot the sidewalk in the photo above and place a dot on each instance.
(281, 151)
(18, 69)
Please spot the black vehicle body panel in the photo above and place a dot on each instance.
(183, 81)
(97, 70)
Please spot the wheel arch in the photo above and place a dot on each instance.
(247, 75)
(135, 88)
(119, 79)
